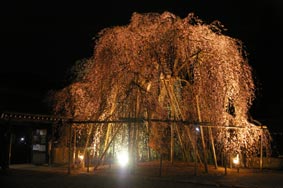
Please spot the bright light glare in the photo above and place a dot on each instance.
(236, 159)
(123, 158)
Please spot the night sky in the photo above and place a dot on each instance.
(40, 42)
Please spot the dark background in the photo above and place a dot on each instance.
(41, 41)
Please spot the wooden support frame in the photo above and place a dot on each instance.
(70, 122)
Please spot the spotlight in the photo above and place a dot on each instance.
(236, 160)
(123, 158)
(81, 157)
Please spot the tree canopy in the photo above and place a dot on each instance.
(165, 67)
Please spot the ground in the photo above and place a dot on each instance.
(143, 175)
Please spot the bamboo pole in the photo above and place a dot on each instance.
(87, 160)
(137, 142)
(70, 148)
(181, 143)
(74, 146)
(204, 149)
(160, 165)
(130, 140)
(202, 136)
(10, 146)
(108, 133)
(106, 148)
(213, 148)
(194, 145)
(172, 144)
(136, 114)
(148, 132)
(136, 130)
(89, 131)
(134, 151)
(175, 110)
(195, 152)
(261, 149)
(225, 155)
(225, 162)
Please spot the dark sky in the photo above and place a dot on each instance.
(40, 41)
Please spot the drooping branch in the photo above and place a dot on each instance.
(169, 61)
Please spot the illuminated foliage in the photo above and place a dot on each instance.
(169, 67)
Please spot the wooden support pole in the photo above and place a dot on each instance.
(106, 148)
(204, 150)
(89, 131)
(70, 148)
(87, 159)
(225, 163)
(195, 152)
(107, 137)
(133, 155)
(213, 148)
(148, 135)
(261, 149)
(75, 146)
(202, 136)
(10, 147)
(49, 151)
(160, 165)
(130, 144)
(172, 144)
(176, 111)
(137, 142)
